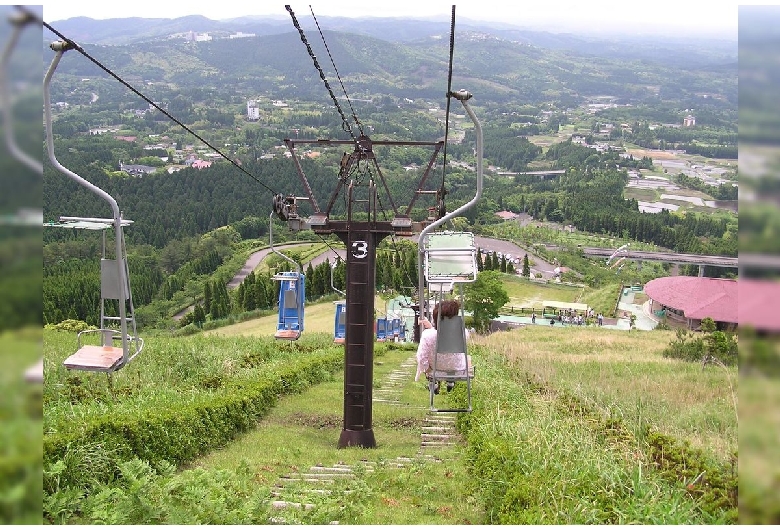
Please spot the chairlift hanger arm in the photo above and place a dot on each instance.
(363, 151)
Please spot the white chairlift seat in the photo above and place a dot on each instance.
(452, 362)
(112, 352)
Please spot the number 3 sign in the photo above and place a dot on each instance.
(359, 249)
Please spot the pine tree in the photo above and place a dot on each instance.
(207, 296)
(309, 282)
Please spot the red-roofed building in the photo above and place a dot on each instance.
(201, 164)
(689, 299)
(507, 216)
(758, 302)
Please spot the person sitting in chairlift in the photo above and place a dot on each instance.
(427, 347)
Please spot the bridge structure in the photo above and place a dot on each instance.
(667, 257)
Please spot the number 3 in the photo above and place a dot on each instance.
(360, 249)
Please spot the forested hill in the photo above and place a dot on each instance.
(499, 69)
(681, 51)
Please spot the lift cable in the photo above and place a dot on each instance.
(354, 114)
(72, 45)
(442, 191)
(78, 48)
(344, 122)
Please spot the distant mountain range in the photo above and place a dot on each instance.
(122, 31)
(403, 57)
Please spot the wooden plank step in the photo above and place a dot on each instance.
(299, 479)
(281, 505)
(335, 469)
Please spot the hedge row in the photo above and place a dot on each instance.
(90, 451)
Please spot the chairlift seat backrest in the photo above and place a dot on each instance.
(450, 257)
(451, 336)
(110, 286)
(290, 299)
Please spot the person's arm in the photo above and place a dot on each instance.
(425, 352)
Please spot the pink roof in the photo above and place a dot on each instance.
(507, 216)
(697, 297)
(758, 304)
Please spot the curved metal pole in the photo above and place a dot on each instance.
(463, 96)
(271, 243)
(18, 20)
(60, 48)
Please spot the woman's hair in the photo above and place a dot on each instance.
(448, 308)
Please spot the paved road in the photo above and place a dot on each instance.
(498, 245)
(493, 245)
(251, 264)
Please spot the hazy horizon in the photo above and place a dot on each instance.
(717, 19)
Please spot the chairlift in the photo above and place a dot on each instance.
(381, 329)
(447, 259)
(119, 342)
(396, 327)
(340, 319)
(292, 294)
(450, 260)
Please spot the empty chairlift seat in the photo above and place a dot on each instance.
(340, 323)
(291, 303)
(381, 329)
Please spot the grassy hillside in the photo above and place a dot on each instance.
(570, 426)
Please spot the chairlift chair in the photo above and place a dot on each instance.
(292, 295)
(119, 342)
(289, 325)
(340, 318)
(396, 326)
(113, 352)
(381, 329)
(340, 323)
(450, 259)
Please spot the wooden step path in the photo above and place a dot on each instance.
(299, 491)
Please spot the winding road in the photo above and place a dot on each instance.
(492, 245)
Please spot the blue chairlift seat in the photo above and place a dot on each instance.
(340, 323)
(381, 329)
(289, 325)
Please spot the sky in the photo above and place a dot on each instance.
(713, 17)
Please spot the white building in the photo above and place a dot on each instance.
(252, 110)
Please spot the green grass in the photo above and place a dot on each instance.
(319, 318)
(303, 431)
(525, 293)
(603, 299)
(20, 429)
(759, 459)
(543, 446)
(624, 375)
